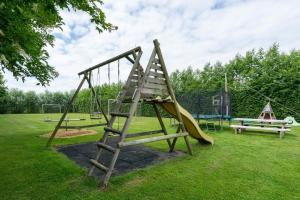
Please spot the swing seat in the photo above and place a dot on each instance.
(96, 115)
(51, 120)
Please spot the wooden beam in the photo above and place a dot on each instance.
(162, 125)
(153, 139)
(129, 59)
(156, 67)
(118, 57)
(156, 61)
(155, 80)
(154, 91)
(65, 112)
(156, 86)
(171, 92)
(175, 140)
(155, 74)
(143, 133)
(84, 126)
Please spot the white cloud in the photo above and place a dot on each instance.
(190, 33)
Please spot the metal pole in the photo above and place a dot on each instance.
(226, 97)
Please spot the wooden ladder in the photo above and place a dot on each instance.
(133, 93)
(103, 145)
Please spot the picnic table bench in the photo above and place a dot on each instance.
(272, 125)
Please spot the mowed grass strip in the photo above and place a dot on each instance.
(248, 166)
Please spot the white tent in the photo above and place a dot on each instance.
(267, 112)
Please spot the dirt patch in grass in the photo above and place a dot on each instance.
(71, 133)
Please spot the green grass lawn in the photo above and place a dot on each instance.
(247, 166)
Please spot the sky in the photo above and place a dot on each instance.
(191, 33)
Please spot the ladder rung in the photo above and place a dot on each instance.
(152, 139)
(105, 146)
(120, 114)
(143, 133)
(98, 165)
(156, 60)
(108, 129)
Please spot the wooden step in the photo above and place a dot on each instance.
(156, 61)
(112, 130)
(150, 91)
(99, 165)
(105, 146)
(119, 114)
(152, 139)
(155, 67)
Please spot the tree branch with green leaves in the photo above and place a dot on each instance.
(25, 32)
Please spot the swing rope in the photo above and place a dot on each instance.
(108, 73)
(98, 90)
(119, 89)
(92, 106)
(94, 81)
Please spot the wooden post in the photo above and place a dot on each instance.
(281, 134)
(171, 92)
(175, 139)
(66, 111)
(162, 124)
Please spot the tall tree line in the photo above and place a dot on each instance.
(253, 79)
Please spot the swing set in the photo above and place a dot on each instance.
(151, 86)
(93, 79)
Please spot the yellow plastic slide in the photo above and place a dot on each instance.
(189, 122)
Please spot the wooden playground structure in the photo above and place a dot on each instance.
(151, 86)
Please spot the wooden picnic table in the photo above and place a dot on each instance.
(278, 121)
(274, 125)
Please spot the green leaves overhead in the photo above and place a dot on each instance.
(25, 32)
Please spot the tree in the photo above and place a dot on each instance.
(254, 79)
(3, 95)
(16, 101)
(46, 97)
(25, 31)
(186, 80)
(32, 102)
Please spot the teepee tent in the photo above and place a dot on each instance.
(267, 112)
